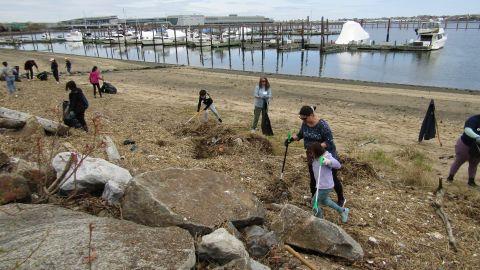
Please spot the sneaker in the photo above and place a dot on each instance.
(58, 82)
(345, 215)
(342, 202)
(472, 184)
(450, 179)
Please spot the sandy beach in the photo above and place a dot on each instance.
(374, 124)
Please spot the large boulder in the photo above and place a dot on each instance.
(91, 175)
(300, 228)
(221, 247)
(51, 237)
(194, 199)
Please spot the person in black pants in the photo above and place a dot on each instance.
(78, 103)
(314, 129)
(54, 67)
(28, 66)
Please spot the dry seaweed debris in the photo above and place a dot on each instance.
(353, 169)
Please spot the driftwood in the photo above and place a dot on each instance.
(11, 123)
(49, 125)
(438, 206)
(298, 256)
(111, 149)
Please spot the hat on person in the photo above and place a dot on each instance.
(66, 58)
(51, 59)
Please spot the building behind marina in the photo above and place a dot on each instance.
(173, 20)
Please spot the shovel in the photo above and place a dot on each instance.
(191, 118)
(315, 200)
(285, 156)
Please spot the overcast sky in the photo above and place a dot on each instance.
(57, 10)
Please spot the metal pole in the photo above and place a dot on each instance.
(388, 31)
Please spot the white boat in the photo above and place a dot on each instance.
(352, 32)
(430, 34)
(169, 36)
(204, 40)
(74, 36)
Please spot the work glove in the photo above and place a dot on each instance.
(288, 141)
(327, 162)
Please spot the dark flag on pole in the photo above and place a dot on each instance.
(429, 125)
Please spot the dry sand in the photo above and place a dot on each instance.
(378, 123)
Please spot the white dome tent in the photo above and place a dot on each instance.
(352, 32)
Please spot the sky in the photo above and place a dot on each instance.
(57, 10)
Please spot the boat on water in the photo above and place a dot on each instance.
(165, 37)
(352, 33)
(431, 35)
(74, 36)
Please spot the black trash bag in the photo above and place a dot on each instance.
(69, 118)
(108, 88)
(428, 129)
(266, 126)
(42, 76)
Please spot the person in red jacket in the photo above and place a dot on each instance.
(95, 78)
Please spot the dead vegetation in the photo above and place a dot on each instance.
(388, 185)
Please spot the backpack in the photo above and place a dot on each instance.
(108, 88)
(42, 76)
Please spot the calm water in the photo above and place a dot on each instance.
(455, 66)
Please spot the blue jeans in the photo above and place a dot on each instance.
(10, 84)
(321, 196)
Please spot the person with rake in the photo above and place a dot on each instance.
(323, 163)
(315, 129)
(208, 102)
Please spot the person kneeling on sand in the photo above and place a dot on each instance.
(208, 101)
(323, 163)
(78, 103)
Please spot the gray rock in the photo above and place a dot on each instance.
(112, 193)
(300, 228)
(35, 176)
(233, 230)
(194, 199)
(92, 175)
(59, 239)
(221, 247)
(244, 264)
(259, 241)
(254, 265)
(14, 188)
(4, 159)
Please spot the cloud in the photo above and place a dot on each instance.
(52, 11)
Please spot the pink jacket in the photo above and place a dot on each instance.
(95, 77)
